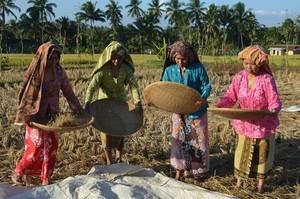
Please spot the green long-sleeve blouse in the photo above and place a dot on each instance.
(113, 87)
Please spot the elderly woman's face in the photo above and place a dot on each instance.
(117, 60)
(181, 60)
(250, 66)
(54, 59)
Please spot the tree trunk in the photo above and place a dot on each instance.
(42, 29)
(92, 29)
(78, 41)
(2, 38)
(22, 45)
(242, 42)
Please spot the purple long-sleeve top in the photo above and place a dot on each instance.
(49, 104)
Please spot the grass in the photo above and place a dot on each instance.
(145, 60)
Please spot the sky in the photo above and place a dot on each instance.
(268, 12)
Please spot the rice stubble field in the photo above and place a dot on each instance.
(150, 146)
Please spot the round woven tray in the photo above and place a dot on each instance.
(241, 114)
(172, 97)
(116, 118)
(62, 129)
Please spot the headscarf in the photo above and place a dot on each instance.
(182, 48)
(31, 91)
(257, 55)
(113, 48)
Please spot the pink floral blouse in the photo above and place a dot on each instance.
(263, 97)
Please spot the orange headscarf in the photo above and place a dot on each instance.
(31, 91)
(257, 55)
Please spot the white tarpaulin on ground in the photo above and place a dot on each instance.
(294, 108)
(117, 181)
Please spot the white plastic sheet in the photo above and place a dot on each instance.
(294, 108)
(120, 181)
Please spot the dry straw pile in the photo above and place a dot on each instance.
(150, 146)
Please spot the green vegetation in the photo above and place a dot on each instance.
(211, 29)
(143, 60)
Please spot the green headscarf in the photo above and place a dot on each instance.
(112, 48)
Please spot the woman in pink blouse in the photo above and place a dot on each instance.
(254, 88)
(39, 97)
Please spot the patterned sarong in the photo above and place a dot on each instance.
(39, 156)
(190, 150)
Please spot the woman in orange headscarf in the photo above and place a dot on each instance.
(254, 88)
(39, 98)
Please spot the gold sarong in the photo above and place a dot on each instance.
(254, 157)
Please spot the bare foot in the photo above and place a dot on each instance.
(187, 174)
(108, 156)
(45, 182)
(17, 179)
(118, 155)
(260, 186)
(238, 183)
(177, 176)
(28, 180)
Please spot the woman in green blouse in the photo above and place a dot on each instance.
(113, 72)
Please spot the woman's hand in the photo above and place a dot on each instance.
(87, 107)
(139, 108)
(27, 120)
(200, 102)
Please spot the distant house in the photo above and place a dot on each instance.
(284, 49)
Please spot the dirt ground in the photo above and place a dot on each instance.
(150, 146)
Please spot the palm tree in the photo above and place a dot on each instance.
(134, 9)
(196, 13)
(297, 29)
(155, 9)
(288, 28)
(252, 27)
(44, 9)
(147, 30)
(6, 8)
(225, 16)
(29, 25)
(273, 36)
(212, 28)
(17, 31)
(63, 24)
(89, 12)
(174, 12)
(114, 15)
(240, 15)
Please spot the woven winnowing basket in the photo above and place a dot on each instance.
(241, 114)
(59, 129)
(172, 97)
(116, 118)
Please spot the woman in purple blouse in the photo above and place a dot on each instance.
(39, 97)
